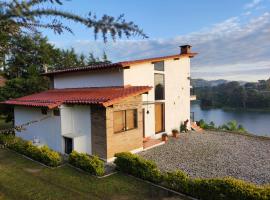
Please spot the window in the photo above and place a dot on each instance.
(68, 145)
(124, 120)
(159, 87)
(159, 66)
(56, 112)
(44, 111)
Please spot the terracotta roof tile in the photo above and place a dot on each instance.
(105, 96)
(118, 65)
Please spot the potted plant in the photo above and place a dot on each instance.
(165, 137)
(175, 133)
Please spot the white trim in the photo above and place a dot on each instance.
(156, 145)
(134, 151)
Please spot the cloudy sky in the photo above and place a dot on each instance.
(232, 37)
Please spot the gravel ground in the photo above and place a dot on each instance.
(215, 154)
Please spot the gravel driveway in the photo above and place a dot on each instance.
(215, 154)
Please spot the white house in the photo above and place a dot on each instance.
(109, 108)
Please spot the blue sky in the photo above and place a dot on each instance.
(232, 37)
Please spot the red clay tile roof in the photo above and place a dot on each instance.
(118, 65)
(105, 96)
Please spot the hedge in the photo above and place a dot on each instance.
(42, 154)
(137, 166)
(206, 189)
(91, 164)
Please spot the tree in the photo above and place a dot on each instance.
(29, 55)
(20, 15)
(28, 14)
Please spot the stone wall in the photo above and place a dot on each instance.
(105, 143)
(127, 140)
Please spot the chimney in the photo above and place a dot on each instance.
(185, 49)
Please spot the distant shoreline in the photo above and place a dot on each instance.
(233, 108)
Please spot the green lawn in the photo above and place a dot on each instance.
(23, 179)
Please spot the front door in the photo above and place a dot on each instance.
(159, 118)
(68, 145)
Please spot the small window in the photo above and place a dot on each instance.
(131, 119)
(159, 66)
(44, 111)
(124, 120)
(56, 112)
(119, 121)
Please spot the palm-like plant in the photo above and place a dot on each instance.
(28, 14)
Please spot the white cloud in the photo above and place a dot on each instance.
(252, 4)
(231, 49)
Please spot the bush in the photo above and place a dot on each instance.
(227, 189)
(177, 181)
(6, 139)
(230, 126)
(206, 189)
(43, 154)
(92, 164)
(137, 166)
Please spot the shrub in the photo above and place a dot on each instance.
(230, 126)
(43, 154)
(92, 164)
(137, 166)
(206, 189)
(227, 189)
(6, 139)
(177, 181)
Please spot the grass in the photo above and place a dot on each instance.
(21, 178)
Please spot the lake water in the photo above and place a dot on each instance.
(255, 122)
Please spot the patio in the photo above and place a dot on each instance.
(215, 154)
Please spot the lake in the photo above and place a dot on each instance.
(255, 122)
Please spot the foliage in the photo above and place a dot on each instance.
(227, 188)
(206, 189)
(43, 154)
(236, 95)
(183, 128)
(177, 180)
(30, 15)
(91, 164)
(229, 126)
(137, 166)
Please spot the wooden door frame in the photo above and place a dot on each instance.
(163, 117)
(143, 118)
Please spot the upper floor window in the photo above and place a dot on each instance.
(159, 66)
(159, 87)
(124, 120)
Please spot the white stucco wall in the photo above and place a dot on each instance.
(47, 131)
(89, 79)
(76, 123)
(177, 92)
